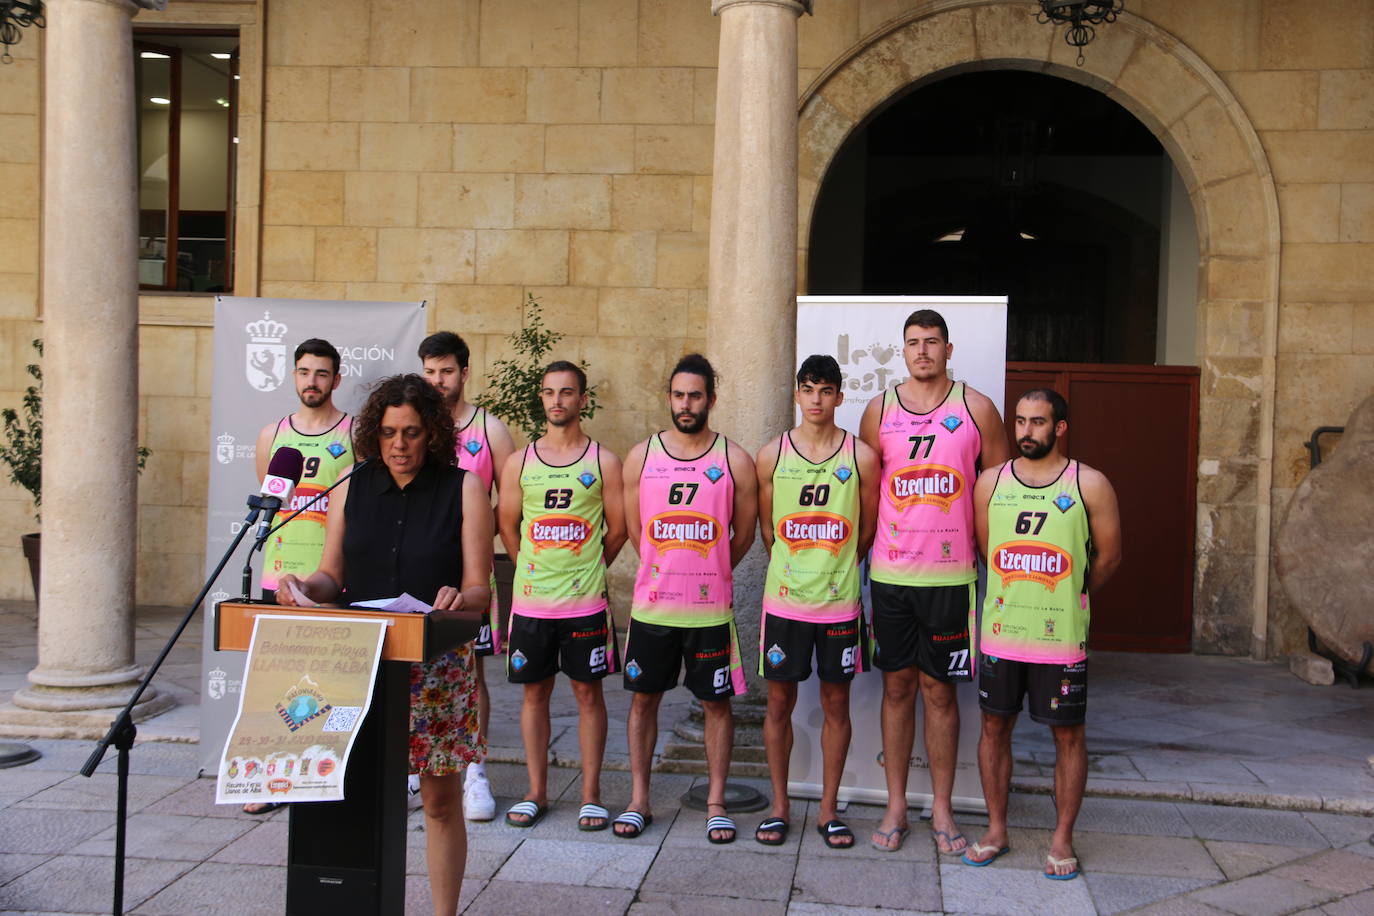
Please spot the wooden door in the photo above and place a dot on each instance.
(1138, 425)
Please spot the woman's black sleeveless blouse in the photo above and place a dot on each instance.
(403, 540)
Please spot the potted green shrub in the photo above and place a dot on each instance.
(22, 452)
(512, 390)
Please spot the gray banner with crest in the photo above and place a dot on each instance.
(253, 344)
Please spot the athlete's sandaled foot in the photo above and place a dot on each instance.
(526, 813)
(980, 851)
(772, 832)
(720, 829)
(593, 817)
(633, 822)
(836, 834)
(947, 845)
(889, 840)
(1061, 869)
(262, 807)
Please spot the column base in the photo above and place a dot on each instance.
(55, 689)
(59, 720)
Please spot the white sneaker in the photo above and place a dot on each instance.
(478, 805)
(413, 784)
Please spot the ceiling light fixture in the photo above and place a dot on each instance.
(16, 15)
(1080, 16)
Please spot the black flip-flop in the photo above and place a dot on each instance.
(833, 830)
(637, 823)
(593, 812)
(772, 825)
(720, 823)
(267, 808)
(533, 812)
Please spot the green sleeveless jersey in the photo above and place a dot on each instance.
(813, 572)
(298, 546)
(560, 570)
(1036, 608)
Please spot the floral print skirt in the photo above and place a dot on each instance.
(443, 714)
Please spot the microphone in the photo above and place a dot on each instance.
(271, 529)
(283, 473)
(320, 495)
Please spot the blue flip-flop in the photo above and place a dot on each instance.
(892, 839)
(979, 849)
(1056, 863)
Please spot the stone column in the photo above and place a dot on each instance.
(90, 381)
(751, 323)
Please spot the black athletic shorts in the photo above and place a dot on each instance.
(786, 647)
(924, 626)
(583, 648)
(1058, 693)
(654, 653)
(488, 641)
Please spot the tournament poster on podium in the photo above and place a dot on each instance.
(307, 688)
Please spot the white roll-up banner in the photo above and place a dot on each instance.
(864, 334)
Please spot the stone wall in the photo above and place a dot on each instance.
(1265, 109)
(471, 151)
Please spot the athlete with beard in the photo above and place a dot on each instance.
(1051, 533)
(561, 516)
(690, 507)
(818, 494)
(932, 434)
(323, 435)
(483, 445)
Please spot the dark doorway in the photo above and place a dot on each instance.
(1025, 185)
(1005, 182)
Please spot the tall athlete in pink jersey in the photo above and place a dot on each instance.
(690, 510)
(483, 445)
(932, 435)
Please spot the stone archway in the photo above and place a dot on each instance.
(1217, 152)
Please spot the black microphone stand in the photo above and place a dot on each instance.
(258, 544)
(122, 731)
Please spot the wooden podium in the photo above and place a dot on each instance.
(348, 857)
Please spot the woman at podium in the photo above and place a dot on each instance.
(409, 521)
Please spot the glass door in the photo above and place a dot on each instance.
(157, 82)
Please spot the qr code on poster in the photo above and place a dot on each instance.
(342, 718)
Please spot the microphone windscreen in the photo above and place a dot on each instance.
(286, 462)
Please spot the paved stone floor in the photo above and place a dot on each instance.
(1217, 786)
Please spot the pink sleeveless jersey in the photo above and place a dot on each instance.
(685, 506)
(474, 455)
(925, 512)
(474, 452)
